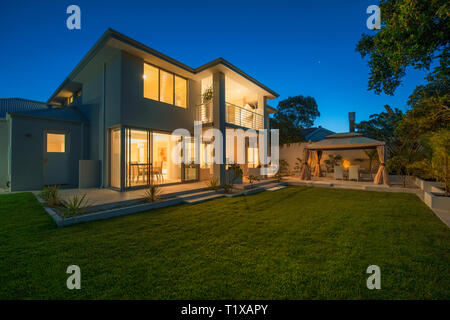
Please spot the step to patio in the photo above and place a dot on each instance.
(195, 195)
(271, 185)
(276, 188)
(348, 186)
(203, 199)
(261, 184)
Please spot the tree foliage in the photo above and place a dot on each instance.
(382, 126)
(414, 33)
(429, 103)
(440, 146)
(294, 113)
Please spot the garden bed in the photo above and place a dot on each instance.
(107, 211)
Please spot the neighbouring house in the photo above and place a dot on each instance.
(315, 134)
(109, 123)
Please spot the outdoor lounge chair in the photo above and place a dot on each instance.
(338, 173)
(353, 173)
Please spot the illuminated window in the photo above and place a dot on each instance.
(165, 87)
(70, 100)
(151, 82)
(180, 92)
(56, 142)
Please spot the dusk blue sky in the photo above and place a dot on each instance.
(293, 47)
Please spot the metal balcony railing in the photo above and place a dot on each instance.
(233, 115)
(205, 112)
(242, 117)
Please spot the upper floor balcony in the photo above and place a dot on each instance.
(234, 115)
(243, 117)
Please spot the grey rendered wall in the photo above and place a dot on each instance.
(27, 151)
(91, 101)
(89, 174)
(102, 83)
(4, 155)
(142, 112)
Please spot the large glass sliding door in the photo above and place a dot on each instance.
(148, 158)
(137, 157)
(190, 169)
(165, 169)
(115, 158)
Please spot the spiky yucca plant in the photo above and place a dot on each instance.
(75, 205)
(152, 193)
(213, 184)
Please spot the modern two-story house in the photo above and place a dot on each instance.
(109, 123)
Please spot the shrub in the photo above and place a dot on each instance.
(440, 146)
(298, 165)
(50, 194)
(251, 179)
(236, 173)
(278, 176)
(153, 193)
(284, 167)
(283, 170)
(372, 155)
(332, 161)
(422, 169)
(208, 95)
(228, 187)
(75, 205)
(213, 184)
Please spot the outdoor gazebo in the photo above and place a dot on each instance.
(343, 141)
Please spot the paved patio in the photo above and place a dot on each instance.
(103, 196)
(98, 196)
(395, 186)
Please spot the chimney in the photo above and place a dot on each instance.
(351, 121)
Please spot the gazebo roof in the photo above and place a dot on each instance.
(347, 140)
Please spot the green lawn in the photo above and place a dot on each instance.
(296, 243)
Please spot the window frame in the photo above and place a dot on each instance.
(173, 86)
(66, 141)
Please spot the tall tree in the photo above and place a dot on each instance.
(430, 103)
(414, 33)
(382, 126)
(294, 113)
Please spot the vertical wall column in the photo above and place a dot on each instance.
(219, 121)
(262, 104)
(102, 133)
(265, 152)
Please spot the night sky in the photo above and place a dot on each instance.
(293, 47)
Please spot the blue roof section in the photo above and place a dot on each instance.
(316, 134)
(57, 113)
(18, 105)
